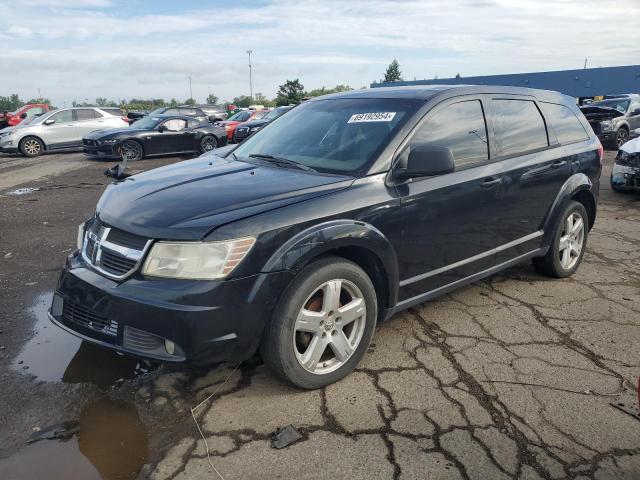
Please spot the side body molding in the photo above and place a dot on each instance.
(574, 184)
(332, 235)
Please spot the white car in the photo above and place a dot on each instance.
(58, 130)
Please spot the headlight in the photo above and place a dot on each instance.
(108, 141)
(606, 125)
(80, 238)
(196, 260)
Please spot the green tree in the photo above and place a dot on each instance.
(189, 101)
(458, 75)
(212, 99)
(291, 91)
(101, 101)
(393, 73)
(243, 101)
(10, 103)
(316, 92)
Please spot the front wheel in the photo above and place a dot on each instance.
(568, 244)
(131, 151)
(323, 324)
(208, 143)
(622, 136)
(31, 147)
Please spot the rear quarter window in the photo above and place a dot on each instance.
(565, 123)
(519, 126)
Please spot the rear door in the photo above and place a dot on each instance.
(535, 168)
(63, 132)
(89, 120)
(450, 222)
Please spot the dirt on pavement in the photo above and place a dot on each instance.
(512, 377)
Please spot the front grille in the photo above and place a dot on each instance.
(75, 313)
(113, 252)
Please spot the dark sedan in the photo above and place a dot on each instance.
(155, 135)
(247, 128)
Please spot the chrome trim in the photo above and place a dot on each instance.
(102, 243)
(475, 258)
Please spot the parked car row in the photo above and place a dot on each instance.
(613, 119)
(210, 113)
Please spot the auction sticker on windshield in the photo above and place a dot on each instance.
(372, 117)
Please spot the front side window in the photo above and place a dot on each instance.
(175, 124)
(341, 135)
(63, 116)
(565, 123)
(518, 126)
(461, 127)
(35, 111)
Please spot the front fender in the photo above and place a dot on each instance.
(573, 185)
(314, 241)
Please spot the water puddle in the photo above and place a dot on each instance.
(112, 444)
(53, 355)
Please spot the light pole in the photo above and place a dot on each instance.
(190, 90)
(249, 52)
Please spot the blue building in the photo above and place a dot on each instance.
(581, 84)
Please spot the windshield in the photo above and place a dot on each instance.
(620, 104)
(146, 123)
(342, 135)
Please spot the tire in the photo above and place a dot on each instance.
(622, 136)
(132, 151)
(208, 143)
(31, 146)
(557, 262)
(294, 338)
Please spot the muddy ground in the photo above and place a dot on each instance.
(513, 377)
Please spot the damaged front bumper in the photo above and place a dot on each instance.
(624, 177)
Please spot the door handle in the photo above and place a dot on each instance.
(558, 164)
(491, 182)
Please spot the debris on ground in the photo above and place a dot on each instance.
(283, 437)
(60, 431)
(23, 191)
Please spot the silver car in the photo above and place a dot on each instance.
(58, 129)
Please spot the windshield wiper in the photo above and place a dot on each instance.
(282, 161)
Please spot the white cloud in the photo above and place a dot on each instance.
(88, 50)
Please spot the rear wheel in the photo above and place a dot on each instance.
(31, 146)
(323, 324)
(208, 143)
(131, 151)
(568, 244)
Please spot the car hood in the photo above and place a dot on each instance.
(111, 132)
(186, 200)
(632, 146)
(600, 113)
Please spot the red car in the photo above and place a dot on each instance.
(241, 117)
(11, 119)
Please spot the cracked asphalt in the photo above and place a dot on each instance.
(509, 378)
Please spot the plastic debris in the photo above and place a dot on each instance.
(60, 431)
(285, 436)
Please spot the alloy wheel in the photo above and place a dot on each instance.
(571, 240)
(621, 137)
(131, 151)
(208, 144)
(329, 326)
(32, 147)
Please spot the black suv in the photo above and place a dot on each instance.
(613, 119)
(337, 215)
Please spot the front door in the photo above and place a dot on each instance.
(172, 136)
(62, 132)
(449, 222)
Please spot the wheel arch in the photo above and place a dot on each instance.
(356, 241)
(578, 187)
(37, 137)
(132, 139)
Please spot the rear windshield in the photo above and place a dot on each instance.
(342, 135)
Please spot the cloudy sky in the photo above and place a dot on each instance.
(77, 49)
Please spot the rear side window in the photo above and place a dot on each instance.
(171, 111)
(460, 127)
(565, 123)
(518, 126)
(188, 111)
(114, 111)
(85, 115)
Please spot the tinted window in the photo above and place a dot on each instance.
(188, 111)
(85, 115)
(461, 128)
(566, 125)
(518, 125)
(114, 111)
(63, 116)
(242, 116)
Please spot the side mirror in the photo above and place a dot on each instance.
(49, 121)
(23, 115)
(163, 128)
(426, 160)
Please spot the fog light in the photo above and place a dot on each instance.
(169, 346)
